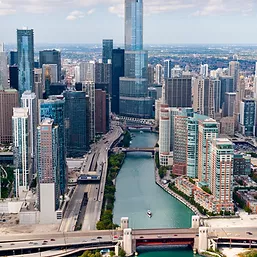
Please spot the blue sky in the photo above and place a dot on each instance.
(165, 21)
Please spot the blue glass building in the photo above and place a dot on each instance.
(54, 109)
(134, 100)
(107, 47)
(25, 46)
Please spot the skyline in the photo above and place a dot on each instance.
(191, 21)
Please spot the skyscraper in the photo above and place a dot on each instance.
(8, 100)
(167, 68)
(150, 75)
(229, 105)
(234, 68)
(118, 61)
(107, 47)
(77, 123)
(204, 70)
(25, 46)
(100, 111)
(158, 74)
(13, 58)
(134, 100)
(51, 56)
(178, 91)
(53, 108)
(3, 69)
(48, 170)
(176, 71)
(21, 158)
(226, 86)
(14, 77)
(103, 75)
(87, 71)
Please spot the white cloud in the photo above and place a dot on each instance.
(74, 15)
(91, 11)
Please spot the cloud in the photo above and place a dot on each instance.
(74, 15)
(194, 7)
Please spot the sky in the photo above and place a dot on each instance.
(165, 21)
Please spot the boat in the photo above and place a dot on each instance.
(141, 132)
(149, 213)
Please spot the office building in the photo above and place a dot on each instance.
(49, 73)
(203, 99)
(158, 74)
(89, 88)
(167, 69)
(178, 92)
(150, 75)
(77, 123)
(21, 158)
(152, 93)
(57, 88)
(248, 117)
(107, 47)
(25, 46)
(87, 71)
(51, 56)
(53, 108)
(8, 100)
(13, 58)
(227, 126)
(226, 86)
(13, 77)
(48, 170)
(204, 70)
(240, 93)
(103, 75)
(38, 84)
(229, 104)
(28, 100)
(234, 68)
(100, 111)
(221, 163)
(176, 71)
(216, 85)
(3, 70)
(118, 61)
(242, 164)
(208, 130)
(134, 100)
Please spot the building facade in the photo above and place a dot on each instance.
(107, 47)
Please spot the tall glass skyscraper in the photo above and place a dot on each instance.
(54, 109)
(107, 47)
(25, 46)
(134, 100)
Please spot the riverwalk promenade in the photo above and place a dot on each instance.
(175, 195)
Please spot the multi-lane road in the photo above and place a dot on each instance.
(97, 160)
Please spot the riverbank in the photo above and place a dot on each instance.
(175, 195)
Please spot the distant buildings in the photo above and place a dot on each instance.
(3, 70)
(158, 74)
(25, 46)
(234, 68)
(8, 100)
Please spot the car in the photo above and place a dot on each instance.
(93, 239)
(175, 235)
(253, 242)
(31, 243)
(44, 243)
(115, 236)
(141, 237)
(0, 246)
(99, 237)
(52, 239)
(12, 244)
(35, 243)
(249, 233)
(159, 236)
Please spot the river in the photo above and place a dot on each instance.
(136, 192)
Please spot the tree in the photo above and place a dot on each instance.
(112, 253)
(121, 252)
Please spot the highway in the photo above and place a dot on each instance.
(96, 160)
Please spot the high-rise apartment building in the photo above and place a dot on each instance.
(118, 61)
(51, 56)
(77, 123)
(204, 70)
(107, 47)
(21, 158)
(53, 108)
(226, 86)
(48, 170)
(25, 46)
(208, 130)
(221, 163)
(178, 91)
(134, 100)
(87, 71)
(150, 75)
(203, 100)
(28, 100)
(3, 69)
(234, 68)
(167, 69)
(8, 100)
(216, 85)
(229, 104)
(248, 117)
(103, 75)
(158, 74)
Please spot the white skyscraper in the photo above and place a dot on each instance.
(158, 74)
(176, 71)
(20, 150)
(204, 70)
(29, 101)
(3, 68)
(77, 74)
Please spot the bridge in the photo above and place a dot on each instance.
(139, 149)
(199, 237)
